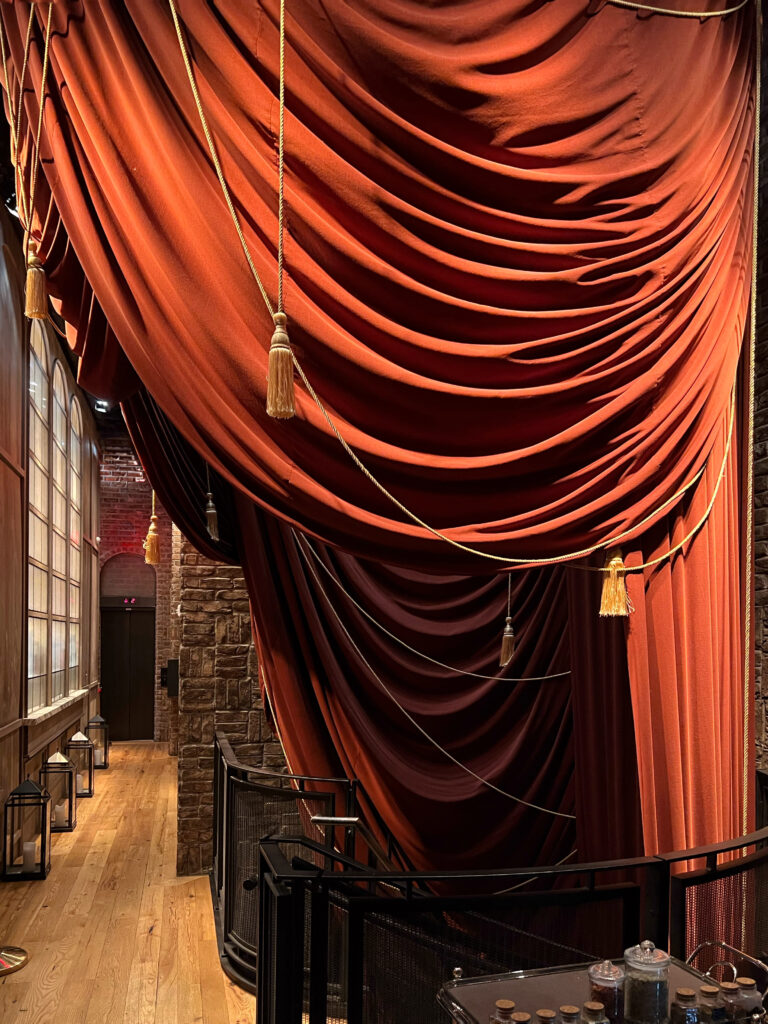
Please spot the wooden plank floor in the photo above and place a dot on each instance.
(114, 936)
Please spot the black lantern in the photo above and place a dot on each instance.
(27, 833)
(97, 730)
(58, 776)
(80, 751)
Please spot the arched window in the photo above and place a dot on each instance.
(39, 488)
(75, 540)
(55, 541)
(59, 537)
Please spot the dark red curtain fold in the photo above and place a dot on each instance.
(517, 272)
(340, 688)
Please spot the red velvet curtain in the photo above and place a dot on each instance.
(517, 273)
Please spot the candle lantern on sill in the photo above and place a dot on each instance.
(79, 750)
(58, 776)
(97, 731)
(27, 833)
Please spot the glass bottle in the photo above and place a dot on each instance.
(593, 1012)
(750, 1001)
(503, 1011)
(545, 1016)
(520, 1018)
(569, 1014)
(684, 1009)
(730, 993)
(646, 988)
(711, 1006)
(606, 982)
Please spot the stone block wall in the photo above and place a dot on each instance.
(126, 503)
(218, 690)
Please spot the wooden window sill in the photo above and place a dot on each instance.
(35, 717)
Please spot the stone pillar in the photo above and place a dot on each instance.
(218, 689)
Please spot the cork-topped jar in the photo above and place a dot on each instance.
(684, 1009)
(593, 1012)
(503, 1011)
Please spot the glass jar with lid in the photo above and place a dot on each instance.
(518, 1017)
(545, 1017)
(606, 984)
(569, 1014)
(711, 1006)
(502, 1011)
(684, 1009)
(646, 988)
(749, 999)
(593, 1012)
(730, 993)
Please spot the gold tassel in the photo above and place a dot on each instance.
(508, 636)
(615, 600)
(507, 643)
(280, 394)
(152, 542)
(212, 518)
(37, 289)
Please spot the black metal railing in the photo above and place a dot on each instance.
(251, 804)
(321, 915)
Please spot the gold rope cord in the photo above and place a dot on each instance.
(438, 534)
(460, 764)
(699, 15)
(302, 541)
(527, 562)
(16, 113)
(38, 134)
(748, 555)
(215, 156)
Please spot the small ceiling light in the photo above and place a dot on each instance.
(102, 405)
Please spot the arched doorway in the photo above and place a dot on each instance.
(128, 647)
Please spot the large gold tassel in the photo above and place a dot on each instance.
(37, 289)
(280, 392)
(508, 636)
(615, 600)
(152, 542)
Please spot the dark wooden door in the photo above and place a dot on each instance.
(128, 672)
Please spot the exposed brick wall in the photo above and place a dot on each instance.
(126, 502)
(174, 637)
(127, 576)
(218, 689)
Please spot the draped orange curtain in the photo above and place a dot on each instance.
(517, 273)
(695, 748)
